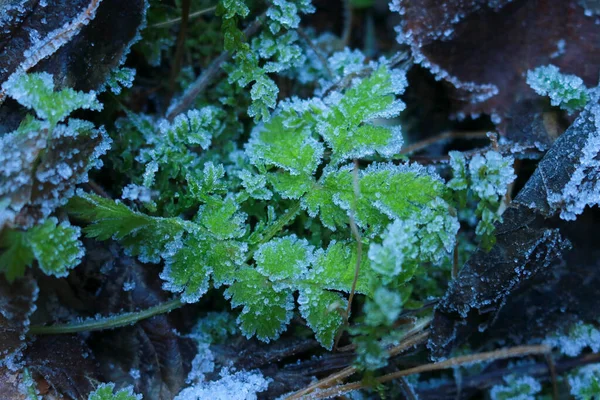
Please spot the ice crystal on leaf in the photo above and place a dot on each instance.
(346, 128)
(56, 247)
(266, 309)
(322, 310)
(36, 91)
(585, 382)
(106, 391)
(484, 179)
(120, 78)
(387, 191)
(566, 91)
(517, 388)
(43, 160)
(284, 258)
(334, 268)
(578, 337)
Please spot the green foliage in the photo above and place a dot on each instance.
(484, 180)
(36, 91)
(120, 78)
(565, 91)
(56, 247)
(267, 309)
(585, 382)
(106, 391)
(517, 388)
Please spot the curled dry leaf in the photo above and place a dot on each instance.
(485, 47)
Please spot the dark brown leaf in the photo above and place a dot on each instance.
(17, 303)
(483, 48)
(65, 363)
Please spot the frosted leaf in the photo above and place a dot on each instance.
(232, 8)
(211, 183)
(347, 62)
(517, 388)
(281, 52)
(397, 253)
(276, 143)
(585, 382)
(386, 191)
(264, 97)
(334, 269)
(222, 218)
(285, 258)
(255, 185)
(266, 310)
(186, 271)
(40, 172)
(491, 174)
(240, 385)
(141, 235)
(383, 308)
(106, 391)
(322, 311)
(291, 186)
(120, 78)
(55, 246)
(578, 337)
(136, 192)
(17, 305)
(438, 230)
(344, 129)
(284, 14)
(36, 91)
(566, 91)
(458, 164)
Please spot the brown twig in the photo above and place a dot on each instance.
(179, 47)
(208, 75)
(413, 337)
(501, 354)
(190, 17)
(316, 50)
(553, 377)
(423, 144)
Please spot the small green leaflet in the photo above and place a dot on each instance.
(36, 91)
(106, 391)
(566, 91)
(266, 310)
(142, 236)
(386, 191)
(56, 247)
(343, 127)
(284, 258)
(323, 311)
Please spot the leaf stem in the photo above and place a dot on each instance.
(116, 321)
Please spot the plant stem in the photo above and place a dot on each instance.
(116, 321)
(501, 354)
(276, 227)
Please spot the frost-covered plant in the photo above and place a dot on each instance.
(270, 51)
(40, 163)
(577, 338)
(56, 247)
(565, 91)
(484, 179)
(517, 388)
(585, 382)
(293, 163)
(106, 391)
